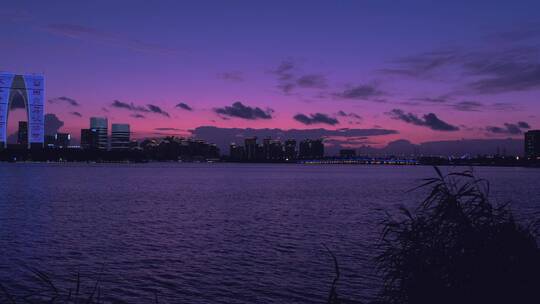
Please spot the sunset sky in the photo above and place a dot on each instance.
(416, 70)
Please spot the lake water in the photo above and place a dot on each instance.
(211, 233)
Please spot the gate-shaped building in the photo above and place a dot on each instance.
(31, 88)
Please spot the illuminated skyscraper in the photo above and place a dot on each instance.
(31, 89)
(120, 136)
(101, 125)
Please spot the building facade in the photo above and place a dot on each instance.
(236, 152)
(101, 126)
(311, 149)
(532, 144)
(250, 148)
(89, 139)
(62, 140)
(120, 136)
(31, 89)
(290, 150)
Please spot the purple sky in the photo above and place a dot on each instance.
(416, 70)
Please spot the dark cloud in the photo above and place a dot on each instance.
(232, 76)
(224, 136)
(286, 87)
(75, 113)
(449, 147)
(284, 70)
(512, 69)
(433, 122)
(138, 116)
(52, 124)
(523, 125)
(481, 72)
(184, 106)
(509, 128)
(312, 81)
(442, 99)
(240, 110)
(289, 79)
(68, 100)
(422, 101)
(128, 106)
(150, 108)
(361, 92)
(475, 106)
(501, 106)
(157, 110)
(80, 32)
(409, 118)
(468, 106)
(317, 118)
(505, 76)
(350, 115)
(512, 129)
(167, 129)
(428, 120)
(424, 64)
(284, 74)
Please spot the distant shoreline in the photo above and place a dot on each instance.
(302, 163)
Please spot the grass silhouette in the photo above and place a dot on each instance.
(47, 292)
(457, 247)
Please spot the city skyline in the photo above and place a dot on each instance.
(241, 66)
(266, 148)
(241, 151)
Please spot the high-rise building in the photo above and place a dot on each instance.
(276, 151)
(101, 125)
(304, 149)
(532, 144)
(266, 148)
(30, 90)
(317, 148)
(250, 146)
(236, 153)
(22, 134)
(311, 149)
(290, 150)
(120, 136)
(89, 138)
